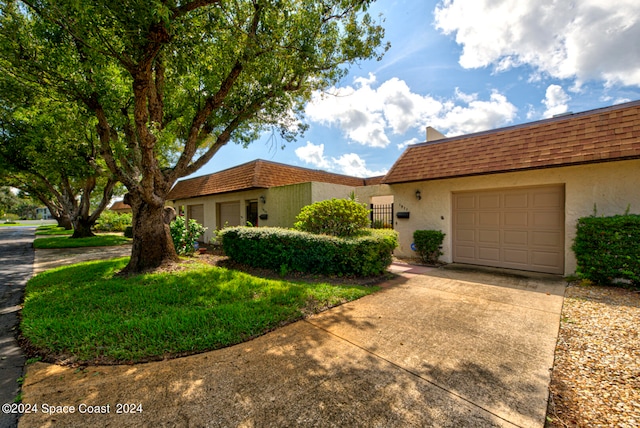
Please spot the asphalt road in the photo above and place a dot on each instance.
(16, 267)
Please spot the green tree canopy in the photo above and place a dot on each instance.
(48, 151)
(172, 81)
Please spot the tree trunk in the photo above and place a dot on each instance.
(82, 229)
(152, 244)
(64, 221)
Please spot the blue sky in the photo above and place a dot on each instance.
(462, 66)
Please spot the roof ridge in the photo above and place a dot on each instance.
(557, 118)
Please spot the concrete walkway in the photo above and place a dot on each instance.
(442, 348)
(16, 264)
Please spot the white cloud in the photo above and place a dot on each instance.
(369, 115)
(476, 116)
(583, 40)
(407, 143)
(555, 100)
(352, 164)
(312, 154)
(349, 163)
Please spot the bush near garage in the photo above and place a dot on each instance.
(608, 248)
(428, 244)
(111, 221)
(336, 217)
(284, 250)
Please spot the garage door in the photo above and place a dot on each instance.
(196, 212)
(515, 228)
(229, 214)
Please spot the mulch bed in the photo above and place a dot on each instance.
(596, 374)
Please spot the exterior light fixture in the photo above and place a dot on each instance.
(418, 195)
(263, 199)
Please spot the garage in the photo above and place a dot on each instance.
(196, 212)
(517, 228)
(229, 214)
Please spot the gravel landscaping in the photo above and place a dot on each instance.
(596, 375)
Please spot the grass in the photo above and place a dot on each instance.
(14, 224)
(67, 242)
(85, 311)
(52, 229)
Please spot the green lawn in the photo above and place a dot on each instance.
(85, 311)
(67, 242)
(53, 230)
(14, 224)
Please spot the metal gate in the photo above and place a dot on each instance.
(381, 216)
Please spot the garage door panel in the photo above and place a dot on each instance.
(516, 237)
(466, 219)
(467, 235)
(489, 254)
(489, 236)
(489, 201)
(551, 219)
(520, 257)
(547, 239)
(545, 259)
(516, 219)
(466, 252)
(548, 200)
(514, 228)
(466, 202)
(489, 219)
(516, 200)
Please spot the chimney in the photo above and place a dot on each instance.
(433, 135)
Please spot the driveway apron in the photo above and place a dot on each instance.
(16, 267)
(440, 348)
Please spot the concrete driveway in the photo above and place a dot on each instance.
(445, 348)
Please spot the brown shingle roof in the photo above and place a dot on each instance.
(119, 206)
(602, 135)
(258, 174)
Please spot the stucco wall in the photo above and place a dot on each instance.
(324, 191)
(283, 204)
(611, 187)
(210, 207)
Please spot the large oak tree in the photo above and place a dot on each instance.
(49, 151)
(172, 81)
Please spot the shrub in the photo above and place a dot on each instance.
(128, 232)
(335, 217)
(607, 248)
(284, 250)
(111, 221)
(185, 236)
(428, 244)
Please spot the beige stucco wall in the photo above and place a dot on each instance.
(610, 186)
(281, 204)
(210, 207)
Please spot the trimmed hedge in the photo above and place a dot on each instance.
(608, 248)
(428, 244)
(287, 250)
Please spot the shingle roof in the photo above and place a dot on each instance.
(258, 174)
(602, 135)
(119, 205)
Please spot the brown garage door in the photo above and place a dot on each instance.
(229, 214)
(196, 212)
(519, 228)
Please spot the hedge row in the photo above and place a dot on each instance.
(287, 250)
(608, 248)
